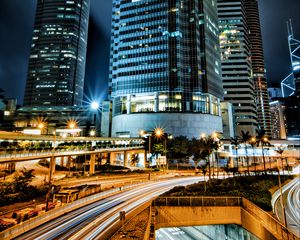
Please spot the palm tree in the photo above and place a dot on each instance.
(235, 142)
(245, 138)
(134, 159)
(262, 140)
(253, 144)
(280, 151)
(207, 146)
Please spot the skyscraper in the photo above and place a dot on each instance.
(57, 57)
(165, 67)
(258, 66)
(237, 76)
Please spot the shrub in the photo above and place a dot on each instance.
(254, 188)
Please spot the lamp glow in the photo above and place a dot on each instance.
(94, 105)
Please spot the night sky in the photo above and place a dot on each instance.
(16, 25)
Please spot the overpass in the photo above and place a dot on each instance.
(197, 211)
(16, 147)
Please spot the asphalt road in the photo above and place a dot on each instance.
(93, 221)
(291, 199)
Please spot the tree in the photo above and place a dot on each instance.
(178, 148)
(262, 140)
(22, 181)
(253, 144)
(134, 159)
(245, 138)
(203, 148)
(197, 152)
(235, 142)
(280, 151)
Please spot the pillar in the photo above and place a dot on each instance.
(52, 164)
(156, 102)
(69, 162)
(145, 159)
(62, 161)
(125, 158)
(92, 163)
(128, 104)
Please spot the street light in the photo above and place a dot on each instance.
(94, 105)
(72, 124)
(92, 133)
(158, 132)
(280, 151)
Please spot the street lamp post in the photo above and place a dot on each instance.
(280, 151)
(264, 141)
(158, 133)
(252, 142)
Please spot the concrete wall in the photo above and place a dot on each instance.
(196, 216)
(252, 219)
(177, 124)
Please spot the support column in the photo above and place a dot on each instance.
(128, 104)
(125, 158)
(52, 164)
(62, 161)
(156, 102)
(145, 159)
(92, 163)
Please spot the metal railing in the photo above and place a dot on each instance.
(197, 201)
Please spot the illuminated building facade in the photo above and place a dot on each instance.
(294, 46)
(57, 57)
(291, 87)
(238, 83)
(165, 67)
(258, 66)
(278, 116)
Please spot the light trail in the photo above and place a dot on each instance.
(105, 212)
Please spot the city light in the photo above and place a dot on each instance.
(92, 133)
(72, 124)
(94, 105)
(158, 132)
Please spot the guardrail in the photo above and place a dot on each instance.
(197, 201)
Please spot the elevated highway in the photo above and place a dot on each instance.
(19, 147)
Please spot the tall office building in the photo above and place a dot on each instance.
(279, 123)
(165, 67)
(258, 66)
(239, 88)
(57, 57)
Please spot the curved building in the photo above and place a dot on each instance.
(239, 87)
(57, 57)
(258, 66)
(165, 67)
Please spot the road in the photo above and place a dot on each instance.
(93, 221)
(184, 233)
(291, 199)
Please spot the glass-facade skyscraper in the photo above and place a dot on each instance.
(258, 66)
(237, 74)
(165, 67)
(58, 51)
